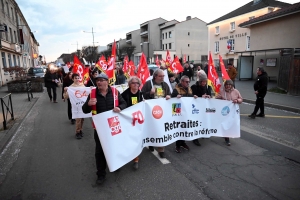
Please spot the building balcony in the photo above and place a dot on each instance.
(129, 41)
(144, 34)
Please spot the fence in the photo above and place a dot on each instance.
(7, 108)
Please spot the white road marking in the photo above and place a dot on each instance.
(162, 160)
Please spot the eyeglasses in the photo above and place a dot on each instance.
(187, 81)
(161, 76)
(137, 83)
(101, 80)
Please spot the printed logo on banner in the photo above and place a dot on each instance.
(194, 109)
(210, 110)
(176, 109)
(225, 111)
(137, 116)
(114, 125)
(157, 112)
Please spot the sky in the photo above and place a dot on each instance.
(58, 25)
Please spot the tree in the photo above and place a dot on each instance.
(127, 49)
(106, 53)
(90, 54)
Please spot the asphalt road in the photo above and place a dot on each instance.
(45, 161)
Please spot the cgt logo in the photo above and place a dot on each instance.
(176, 109)
(137, 116)
(157, 112)
(114, 125)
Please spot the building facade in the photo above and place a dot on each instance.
(18, 44)
(225, 37)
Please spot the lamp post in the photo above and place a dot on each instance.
(93, 41)
(77, 48)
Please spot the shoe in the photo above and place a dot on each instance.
(177, 149)
(151, 148)
(251, 116)
(78, 136)
(135, 165)
(196, 142)
(260, 115)
(55, 102)
(81, 134)
(185, 147)
(51, 100)
(72, 121)
(100, 180)
(228, 143)
(162, 154)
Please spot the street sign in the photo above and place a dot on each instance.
(3, 28)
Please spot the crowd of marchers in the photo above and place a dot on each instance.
(155, 88)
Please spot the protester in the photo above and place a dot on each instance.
(104, 101)
(182, 89)
(206, 69)
(201, 89)
(193, 69)
(173, 80)
(51, 81)
(132, 95)
(260, 88)
(188, 71)
(92, 81)
(79, 121)
(66, 83)
(232, 73)
(155, 89)
(230, 94)
(199, 72)
(120, 77)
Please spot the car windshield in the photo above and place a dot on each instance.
(37, 70)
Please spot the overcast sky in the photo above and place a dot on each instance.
(59, 23)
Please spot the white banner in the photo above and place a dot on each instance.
(161, 122)
(78, 96)
(121, 88)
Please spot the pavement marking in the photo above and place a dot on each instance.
(275, 116)
(162, 160)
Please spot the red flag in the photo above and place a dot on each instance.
(68, 64)
(131, 68)
(184, 58)
(176, 67)
(86, 75)
(143, 70)
(224, 72)
(112, 65)
(157, 61)
(77, 68)
(213, 78)
(102, 64)
(126, 67)
(168, 59)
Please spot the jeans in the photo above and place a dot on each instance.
(54, 92)
(259, 104)
(100, 157)
(69, 109)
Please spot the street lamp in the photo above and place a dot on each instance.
(91, 33)
(77, 48)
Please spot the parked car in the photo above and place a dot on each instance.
(153, 67)
(35, 72)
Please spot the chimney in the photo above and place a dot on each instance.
(188, 18)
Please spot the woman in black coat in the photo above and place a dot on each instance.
(51, 80)
(66, 83)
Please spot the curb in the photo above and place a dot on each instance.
(273, 105)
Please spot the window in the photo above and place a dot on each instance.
(162, 36)
(7, 9)
(2, 5)
(163, 46)
(217, 47)
(170, 34)
(204, 58)
(9, 60)
(251, 17)
(217, 29)
(15, 35)
(166, 46)
(166, 35)
(231, 42)
(248, 43)
(19, 61)
(14, 59)
(188, 58)
(11, 36)
(170, 45)
(188, 45)
(188, 33)
(12, 13)
(232, 26)
(3, 59)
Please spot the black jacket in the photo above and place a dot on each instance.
(48, 79)
(179, 90)
(200, 90)
(104, 103)
(261, 84)
(90, 82)
(148, 86)
(188, 72)
(127, 97)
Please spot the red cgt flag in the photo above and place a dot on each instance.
(143, 70)
(112, 65)
(157, 61)
(77, 68)
(126, 67)
(102, 64)
(176, 67)
(131, 68)
(213, 78)
(224, 72)
(168, 59)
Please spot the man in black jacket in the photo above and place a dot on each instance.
(104, 101)
(260, 88)
(188, 71)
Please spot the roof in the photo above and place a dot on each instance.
(168, 24)
(295, 8)
(152, 20)
(250, 7)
